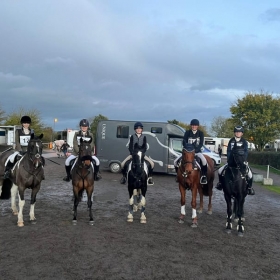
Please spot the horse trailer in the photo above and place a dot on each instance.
(164, 144)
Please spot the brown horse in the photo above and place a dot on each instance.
(189, 179)
(83, 178)
(27, 173)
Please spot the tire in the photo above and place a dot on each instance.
(115, 167)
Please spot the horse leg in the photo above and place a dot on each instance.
(193, 204)
(14, 191)
(142, 204)
(229, 213)
(200, 191)
(240, 226)
(235, 212)
(130, 209)
(76, 203)
(21, 203)
(32, 204)
(89, 203)
(183, 202)
(136, 200)
(209, 212)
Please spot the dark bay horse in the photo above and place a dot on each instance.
(27, 173)
(234, 183)
(189, 179)
(137, 185)
(83, 178)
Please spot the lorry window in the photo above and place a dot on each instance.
(122, 131)
(177, 145)
(156, 129)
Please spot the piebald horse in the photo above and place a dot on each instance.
(137, 185)
(27, 173)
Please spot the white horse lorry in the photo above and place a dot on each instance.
(7, 136)
(164, 144)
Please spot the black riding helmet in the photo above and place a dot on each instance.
(84, 122)
(238, 129)
(195, 122)
(138, 124)
(25, 119)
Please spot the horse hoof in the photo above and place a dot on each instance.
(240, 234)
(15, 213)
(91, 223)
(33, 222)
(180, 221)
(143, 221)
(130, 220)
(209, 212)
(228, 231)
(20, 224)
(199, 211)
(74, 222)
(194, 225)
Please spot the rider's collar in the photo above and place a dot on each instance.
(138, 134)
(237, 138)
(194, 131)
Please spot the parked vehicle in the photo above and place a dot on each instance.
(164, 144)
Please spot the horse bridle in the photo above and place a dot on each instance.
(36, 156)
(184, 163)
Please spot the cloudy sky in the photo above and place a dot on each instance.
(136, 60)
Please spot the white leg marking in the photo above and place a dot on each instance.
(20, 213)
(14, 191)
(193, 213)
(32, 213)
(183, 210)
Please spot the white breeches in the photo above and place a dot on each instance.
(67, 161)
(130, 157)
(221, 169)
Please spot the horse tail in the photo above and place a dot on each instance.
(6, 189)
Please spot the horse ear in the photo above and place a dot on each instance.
(41, 136)
(32, 135)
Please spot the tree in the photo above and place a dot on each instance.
(2, 115)
(94, 122)
(259, 114)
(14, 119)
(222, 127)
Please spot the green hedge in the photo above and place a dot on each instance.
(271, 158)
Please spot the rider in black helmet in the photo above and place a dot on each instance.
(241, 142)
(86, 135)
(22, 137)
(194, 135)
(139, 138)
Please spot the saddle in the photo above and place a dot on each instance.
(146, 164)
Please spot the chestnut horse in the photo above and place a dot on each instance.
(189, 179)
(83, 178)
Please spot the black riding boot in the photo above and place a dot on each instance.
(124, 173)
(97, 175)
(219, 185)
(250, 189)
(203, 178)
(8, 169)
(68, 175)
(150, 179)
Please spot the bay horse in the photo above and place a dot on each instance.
(27, 173)
(137, 184)
(188, 176)
(234, 183)
(83, 178)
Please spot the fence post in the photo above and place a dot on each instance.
(267, 174)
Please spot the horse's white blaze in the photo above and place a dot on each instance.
(183, 210)
(193, 213)
(14, 191)
(32, 213)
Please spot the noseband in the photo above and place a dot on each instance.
(35, 157)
